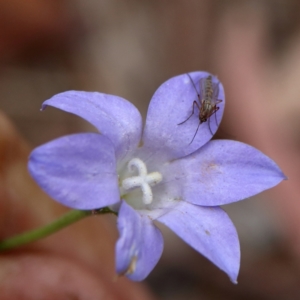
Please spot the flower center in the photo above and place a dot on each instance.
(143, 180)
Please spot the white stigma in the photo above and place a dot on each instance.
(143, 180)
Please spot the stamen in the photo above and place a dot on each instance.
(143, 180)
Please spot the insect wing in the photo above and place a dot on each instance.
(202, 89)
(215, 87)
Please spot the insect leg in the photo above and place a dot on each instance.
(195, 132)
(194, 103)
(217, 108)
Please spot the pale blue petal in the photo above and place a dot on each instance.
(113, 116)
(209, 231)
(139, 246)
(222, 172)
(78, 170)
(171, 104)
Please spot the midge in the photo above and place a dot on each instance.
(208, 102)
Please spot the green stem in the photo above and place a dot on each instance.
(63, 221)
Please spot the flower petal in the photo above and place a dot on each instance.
(171, 105)
(77, 170)
(209, 231)
(140, 244)
(222, 172)
(113, 116)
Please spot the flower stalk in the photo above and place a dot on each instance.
(42, 232)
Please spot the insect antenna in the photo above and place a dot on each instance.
(199, 98)
(188, 74)
(195, 102)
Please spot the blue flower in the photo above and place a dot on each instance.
(155, 174)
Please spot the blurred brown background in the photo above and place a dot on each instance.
(129, 48)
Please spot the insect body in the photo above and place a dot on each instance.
(208, 102)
